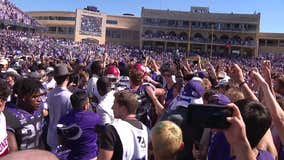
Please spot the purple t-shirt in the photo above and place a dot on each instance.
(262, 155)
(219, 149)
(85, 147)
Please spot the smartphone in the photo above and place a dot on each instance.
(194, 62)
(209, 116)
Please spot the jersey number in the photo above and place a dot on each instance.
(141, 141)
(31, 136)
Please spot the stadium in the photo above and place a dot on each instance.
(166, 29)
(165, 85)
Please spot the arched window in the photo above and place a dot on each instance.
(237, 38)
(198, 35)
(148, 32)
(172, 33)
(212, 36)
(224, 38)
(249, 38)
(183, 35)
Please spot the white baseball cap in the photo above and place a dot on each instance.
(3, 61)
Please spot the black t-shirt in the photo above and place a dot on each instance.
(109, 139)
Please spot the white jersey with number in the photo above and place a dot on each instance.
(3, 136)
(134, 140)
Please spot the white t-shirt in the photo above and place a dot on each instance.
(104, 108)
(49, 85)
(92, 89)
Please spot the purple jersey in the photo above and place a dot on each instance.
(27, 127)
(262, 155)
(220, 150)
(85, 147)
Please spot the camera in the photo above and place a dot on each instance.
(209, 116)
(144, 56)
(176, 59)
(195, 62)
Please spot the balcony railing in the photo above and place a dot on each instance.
(233, 42)
(205, 27)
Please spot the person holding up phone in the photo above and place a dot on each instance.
(236, 136)
(248, 125)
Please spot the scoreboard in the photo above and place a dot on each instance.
(90, 25)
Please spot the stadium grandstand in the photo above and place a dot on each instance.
(12, 16)
(220, 32)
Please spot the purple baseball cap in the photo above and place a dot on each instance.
(193, 89)
(219, 99)
(202, 74)
(191, 94)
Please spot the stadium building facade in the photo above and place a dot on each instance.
(197, 30)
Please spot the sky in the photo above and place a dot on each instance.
(272, 12)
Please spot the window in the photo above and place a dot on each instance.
(71, 30)
(281, 43)
(252, 27)
(111, 22)
(272, 42)
(61, 30)
(148, 21)
(66, 18)
(172, 22)
(55, 18)
(53, 29)
(51, 18)
(163, 22)
(135, 35)
(185, 23)
(262, 42)
(236, 25)
(115, 34)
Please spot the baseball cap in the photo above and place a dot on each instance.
(49, 70)
(221, 74)
(191, 94)
(219, 99)
(3, 61)
(71, 132)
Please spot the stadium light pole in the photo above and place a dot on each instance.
(188, 44)
(211, 50)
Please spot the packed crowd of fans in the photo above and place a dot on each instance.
(10, 12)
(79, 100)
(165, 36)
(174, 37)
(199, 25)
